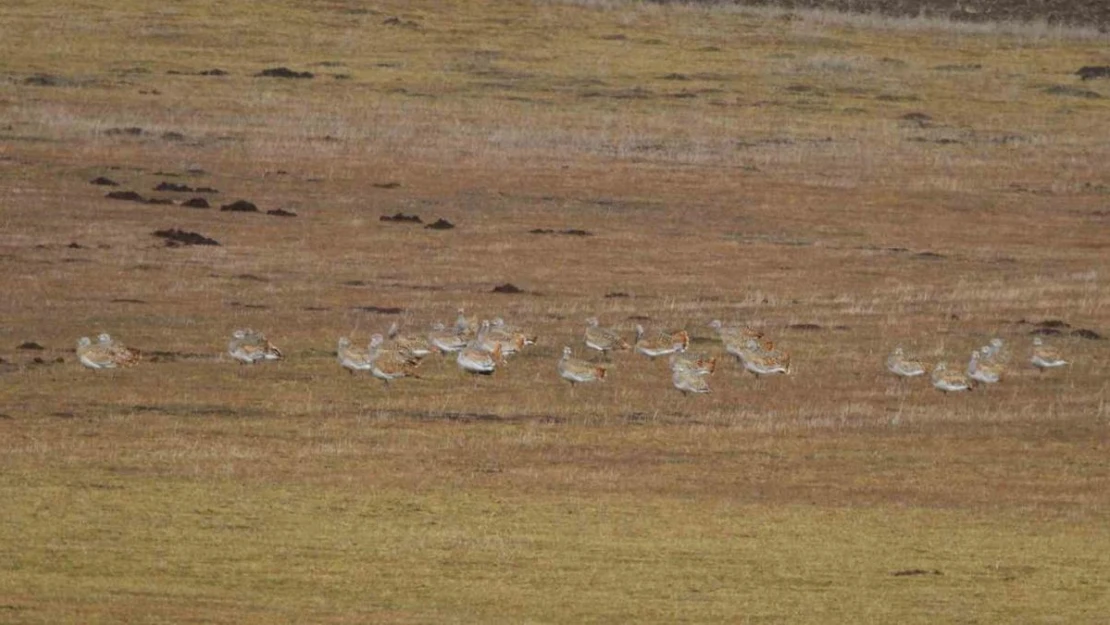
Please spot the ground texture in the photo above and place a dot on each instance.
(845, 183)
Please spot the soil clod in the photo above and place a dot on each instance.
(381, 310)
(283, 72)
(508, 288)
(1091, 72)
(240, 206)
(440, 224)
(176, 238)
(127, 196)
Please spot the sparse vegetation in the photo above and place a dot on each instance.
(842, 182)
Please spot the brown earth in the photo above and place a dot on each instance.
(843, 185)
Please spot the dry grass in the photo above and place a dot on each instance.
(729, 165)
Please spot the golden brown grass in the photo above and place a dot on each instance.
(730, 164)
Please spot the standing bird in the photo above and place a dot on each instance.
(604, 340)
(465, 326)
(903, 367)
(418, 346)
(697, 364)
(446, 341)
(475, 360)
(759, 360)
(575, 370)
(390, 363)
(1045, 357)
(981, 369)
(248, 347)
(689, 382)
(123, 355)
(104, 356)
(993, 351)
(352, 358)
(949, 381)
(659, 343)
(479, 356)
(733, 335)
(496, 333)
(523, 337)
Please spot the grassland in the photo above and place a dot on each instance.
(843, 183)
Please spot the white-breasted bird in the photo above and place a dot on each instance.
(903, 367)
(575, 370)
(949, 381)
(352, 358)
(1045, 356)
(248, 347)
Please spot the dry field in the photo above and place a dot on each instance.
(845, 183)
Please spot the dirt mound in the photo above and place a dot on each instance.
(240, 206)
(283, 72)
(402, 218)
(440, 224)
(176, 238)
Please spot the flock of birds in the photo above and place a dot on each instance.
(480, 347)
(985, 366)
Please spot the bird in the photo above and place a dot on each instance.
(903, 367)
(480, 356)
(737, 343)
(125, 356)
(993, 350)
(473, 359)
(464, 325)
(949, 381)
(352, 358)
(94, 356)
(689, 382)
(390, 363)
(1046, 357)
(697, 364)
(446, 341)
(524, 337)
(510, 341)
(982, 370)
(101, 356)
(760, 361)
(658, 343)
(248, 347)
(418, 346)
(729, 334)
(575, 370)
(602, 339)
